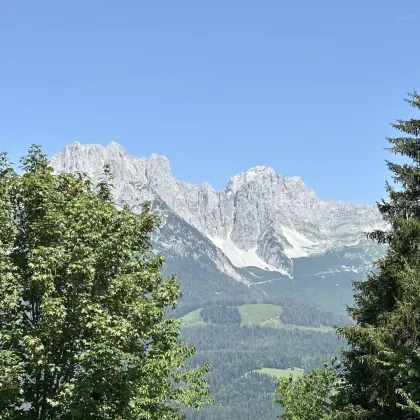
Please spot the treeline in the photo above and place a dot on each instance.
(221, 314)
(293, 312)
(298, 313)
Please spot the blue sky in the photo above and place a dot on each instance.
(306, 87)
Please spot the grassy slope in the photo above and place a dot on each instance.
(261, 314)
(193, 319)
(258, 314)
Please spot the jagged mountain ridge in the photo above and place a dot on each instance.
(204, 270)
(260, 219)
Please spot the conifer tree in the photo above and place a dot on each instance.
(379, 374)
(381, 369)
(83, 334)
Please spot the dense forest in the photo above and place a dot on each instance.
(235, 337)
(246, 397)
(234, 353)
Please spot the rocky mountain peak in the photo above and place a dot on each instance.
(254, 174)
(260, 219)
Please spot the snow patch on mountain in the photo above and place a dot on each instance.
(241, 258)
(300, 245)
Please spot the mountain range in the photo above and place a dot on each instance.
(262, 235)
(265, 269)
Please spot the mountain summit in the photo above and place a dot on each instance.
(260, 219)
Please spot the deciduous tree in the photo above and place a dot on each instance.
(82, 328)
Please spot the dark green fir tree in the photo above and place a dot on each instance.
(378, 377)
(381, 368)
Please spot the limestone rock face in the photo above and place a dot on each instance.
(260, 219)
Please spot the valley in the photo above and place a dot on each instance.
(265, 268)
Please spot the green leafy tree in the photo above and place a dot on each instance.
(380, 370)
(316, 396)
(83, 332)
(307, 397)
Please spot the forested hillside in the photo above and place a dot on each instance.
(248, 344)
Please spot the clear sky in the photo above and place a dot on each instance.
(306, 87)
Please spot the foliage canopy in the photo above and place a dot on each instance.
(83, 332)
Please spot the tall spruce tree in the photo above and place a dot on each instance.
(379, 373)
(381, 367)
(82, 328)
